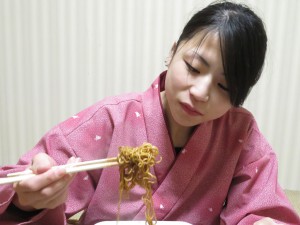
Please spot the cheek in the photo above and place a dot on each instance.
(176, 77)
(220, 104)
(223, 107)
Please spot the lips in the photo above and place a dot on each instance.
(190, 110)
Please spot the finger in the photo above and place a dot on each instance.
(56, 187)
(40, 181)
(58, 200)
(54, 200)
(41, 163)
(73, 160)
(60, 189)
(38, 199)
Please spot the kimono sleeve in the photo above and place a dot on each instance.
(54, 144)
(77, 136)
(254, 192)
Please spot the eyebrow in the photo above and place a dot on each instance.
(203, 60)
(200, 58)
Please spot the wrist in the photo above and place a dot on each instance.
(17, 204)
(16, 212)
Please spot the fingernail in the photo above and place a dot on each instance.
(78, 159)
(60, 172)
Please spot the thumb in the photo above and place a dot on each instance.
(41, 163)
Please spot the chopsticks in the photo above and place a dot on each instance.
(70, 168)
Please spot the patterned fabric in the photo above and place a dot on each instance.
(225, 174)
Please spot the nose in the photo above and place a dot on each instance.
(200, 87)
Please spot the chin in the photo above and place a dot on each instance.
(187, 123)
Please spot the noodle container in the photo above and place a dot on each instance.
(141, 223)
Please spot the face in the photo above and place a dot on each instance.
(195, 86)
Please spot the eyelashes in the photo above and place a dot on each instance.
(191, 69)
(223, 87)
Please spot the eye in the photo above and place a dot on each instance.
(223, 87)
(190, 68)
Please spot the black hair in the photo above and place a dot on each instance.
(243, 42)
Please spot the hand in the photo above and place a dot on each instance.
(48, 189)
(266, 221)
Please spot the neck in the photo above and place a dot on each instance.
(179, 134)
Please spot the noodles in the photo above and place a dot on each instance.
(134, 167)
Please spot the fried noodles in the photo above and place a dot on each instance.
(134, 167)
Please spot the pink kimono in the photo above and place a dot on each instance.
(226, 173)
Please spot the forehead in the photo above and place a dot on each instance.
(203, 39)
(203, 48)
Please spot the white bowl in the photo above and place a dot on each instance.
(141, 223)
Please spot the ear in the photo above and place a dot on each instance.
(172, 51)
(171, 54)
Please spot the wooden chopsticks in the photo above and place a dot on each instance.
(70, 168)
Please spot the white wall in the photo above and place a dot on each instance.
(60, 56)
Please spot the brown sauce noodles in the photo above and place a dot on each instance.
(134, 168)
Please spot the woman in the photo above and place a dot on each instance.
(217, 168)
